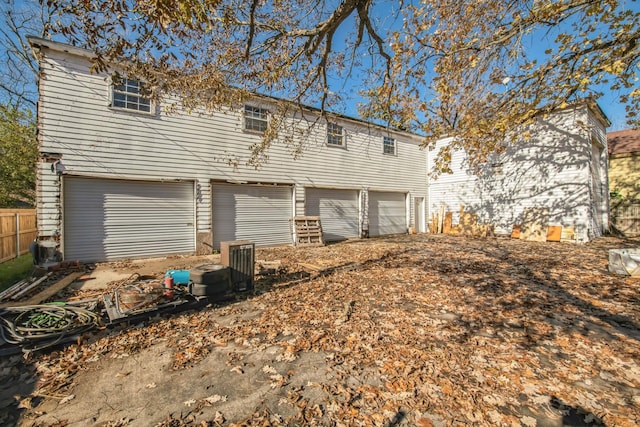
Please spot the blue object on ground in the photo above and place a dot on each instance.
(180, 277)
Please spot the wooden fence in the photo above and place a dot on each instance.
(626, 219)
(17, 231)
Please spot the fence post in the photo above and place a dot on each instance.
(17, 234)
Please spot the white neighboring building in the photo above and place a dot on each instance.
(561, 168)
(119, 178)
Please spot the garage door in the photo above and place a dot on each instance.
(387, 213)
(257, 213)
(338, 212)
(107, 219)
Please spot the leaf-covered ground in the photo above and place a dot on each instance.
(410, 330)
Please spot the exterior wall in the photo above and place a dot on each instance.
(550, 170)
(77, 127)
(624, 175)
(599, 170)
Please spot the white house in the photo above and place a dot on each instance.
(560, 170)
(118, 177)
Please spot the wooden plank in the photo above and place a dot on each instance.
(49, 291)
(448, 223)
(554, 233)
(311, 267)
(568, 234)
(535, 222)
(468, 223)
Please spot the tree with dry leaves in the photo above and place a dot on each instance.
(473, 70)
(19, 68)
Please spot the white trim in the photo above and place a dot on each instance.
(153, 178)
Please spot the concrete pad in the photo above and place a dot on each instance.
(99, 279)
(104, 274)
(144, 391)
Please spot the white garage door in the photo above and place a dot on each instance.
(107, 219)
(258, 213)
(387, 213)
(338, 212)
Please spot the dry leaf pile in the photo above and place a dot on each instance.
(414, 330)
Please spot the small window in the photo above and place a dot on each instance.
(255, 119)
(389, 145)
(335, 135)
(497, 169)
(130, 94)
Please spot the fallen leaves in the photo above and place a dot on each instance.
(428, 329)
(237, 370)
(67, 399)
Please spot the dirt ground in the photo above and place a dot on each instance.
(424, 330)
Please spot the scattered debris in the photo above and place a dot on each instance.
(625, 262)
(16, 291)
(34, 327)
(442, 223)
(346, 313)
(436, 330)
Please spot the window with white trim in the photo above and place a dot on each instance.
(335, 135)
(256, 119)
(130, 94)
(389, 145)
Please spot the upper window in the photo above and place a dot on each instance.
(335, 134)
(255, 119)
(130, 94)
(389, 145)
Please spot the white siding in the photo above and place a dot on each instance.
(600, 177)
(93, 139)
(48, 210)
(551, 170)
(203, 205)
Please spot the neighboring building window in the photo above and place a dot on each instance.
(255, 119)
(389, 145)
(130, 94)
(335, 134)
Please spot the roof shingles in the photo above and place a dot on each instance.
(624, 141)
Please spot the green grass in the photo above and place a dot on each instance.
(15, 270)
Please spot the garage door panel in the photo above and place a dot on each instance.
(338, 211)
(387, 213)
(260, 214)
(113, 219)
